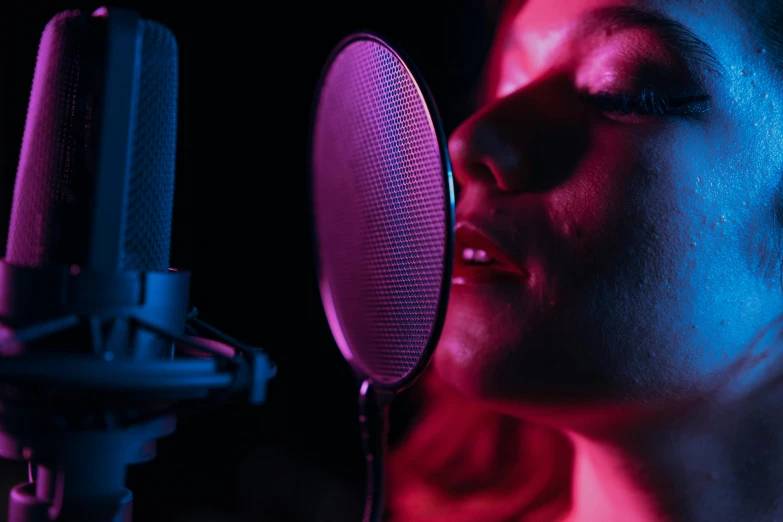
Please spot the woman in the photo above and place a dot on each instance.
(610, 362)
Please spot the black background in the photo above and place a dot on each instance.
(247, 74)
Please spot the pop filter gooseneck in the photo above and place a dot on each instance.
(383, 216)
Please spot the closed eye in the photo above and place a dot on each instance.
(647, 103)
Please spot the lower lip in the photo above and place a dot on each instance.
(466, 274)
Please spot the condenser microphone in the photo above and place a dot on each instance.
(100, 349)
(382, 200)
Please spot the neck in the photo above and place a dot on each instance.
(718, 461)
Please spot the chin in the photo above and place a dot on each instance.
(483, 326)
(523, 355)
(535, 393)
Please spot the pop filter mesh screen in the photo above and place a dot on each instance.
(382, 209)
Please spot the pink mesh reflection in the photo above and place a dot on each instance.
(381, 211)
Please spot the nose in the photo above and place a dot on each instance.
(528, 141)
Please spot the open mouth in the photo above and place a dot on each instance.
(479, 259)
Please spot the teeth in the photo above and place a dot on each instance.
(476, 256)
(481, 256)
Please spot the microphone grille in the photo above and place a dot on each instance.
(50, 193)
(149, 201)
(54, 193)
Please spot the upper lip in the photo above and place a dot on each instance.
(470, 235)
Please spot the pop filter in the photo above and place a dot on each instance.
(383, 217)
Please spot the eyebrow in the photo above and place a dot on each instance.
(674, 32)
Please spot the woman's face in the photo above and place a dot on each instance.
(625, 178)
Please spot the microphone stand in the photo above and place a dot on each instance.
(374, 426)
(80, 419)
(83, 478)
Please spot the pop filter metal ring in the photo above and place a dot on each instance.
(380, 388)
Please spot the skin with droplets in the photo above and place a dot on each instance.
(652, 247)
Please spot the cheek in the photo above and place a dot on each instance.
(638, 223)
(662, 232)
(697, 219)
(586, 209)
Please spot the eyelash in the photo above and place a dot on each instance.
(647, 103)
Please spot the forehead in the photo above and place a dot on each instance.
(552, 12)
(535, 30)
(552, 17)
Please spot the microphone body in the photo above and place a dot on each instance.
(93, 321)
(95, 185)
